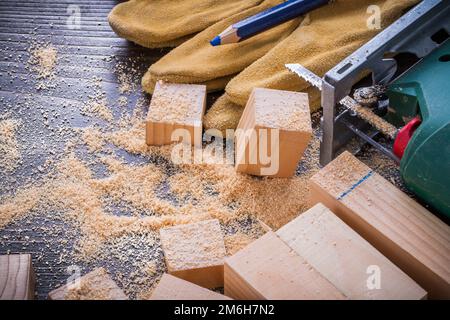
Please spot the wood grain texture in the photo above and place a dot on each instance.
(96, 285)
(401, 229)
(195, 252)
(345, 258)
(17, 280)
(176, 106)
(173, 288)
(269, 269)
(279, 121)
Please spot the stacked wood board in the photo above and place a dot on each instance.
(400, 228)
(347, 260)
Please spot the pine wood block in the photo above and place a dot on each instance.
(195, 252)
(269, 269)
(173, 288)
(345, 258)
(176, 106)
(401, 229)
(17, 279)
(96, 285)
(275, 124)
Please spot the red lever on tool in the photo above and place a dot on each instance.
(404, 135)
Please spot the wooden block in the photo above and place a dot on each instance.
(273, 133)
(17, 278)
(347, 260)
(176, 106)
(195, 252)
(173, 288)
(96, 285)
(401, 229)
(269, 269)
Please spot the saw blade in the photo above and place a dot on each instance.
(305, 74)
(348, 102)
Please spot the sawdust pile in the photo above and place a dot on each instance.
(97, 104)
(127, 73)
(42, 61)
(151, 197)
(9, 148)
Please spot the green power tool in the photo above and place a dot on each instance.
(412, 110)
(419, 102)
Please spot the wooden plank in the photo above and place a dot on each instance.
(275, 125)
(348, 261)
(269, 269)
(96, 285)
(401, 229)
(173, 288)
(17, 280)
(176, 106)
(195, 252)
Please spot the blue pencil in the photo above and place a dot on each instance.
(267, 19)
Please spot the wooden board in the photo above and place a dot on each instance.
(401, 229)
(275, 125)
(176, 106)
(347, 260)
(195, 252)
(269, 269)
(17, 279)
(96, 285)
(173, 288)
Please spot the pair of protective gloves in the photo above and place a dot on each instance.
(318, 41)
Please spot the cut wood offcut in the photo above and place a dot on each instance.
(347, 260)
(195, 252)
(273, 133)
(401, 229)
(175, 114)
(17, 280)
(269, 269)
(96, 285)
(173, 288)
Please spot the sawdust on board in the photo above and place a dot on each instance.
(192, 246)
(236, 242)
(96, 285)
(97, 104)
(178, 103)
(282, 109)
(10, 155)
(43, 60)
(93, 139)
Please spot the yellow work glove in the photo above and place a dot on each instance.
(167, 23)
(196, 61)
(327, 36)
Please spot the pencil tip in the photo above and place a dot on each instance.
(216, 41)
